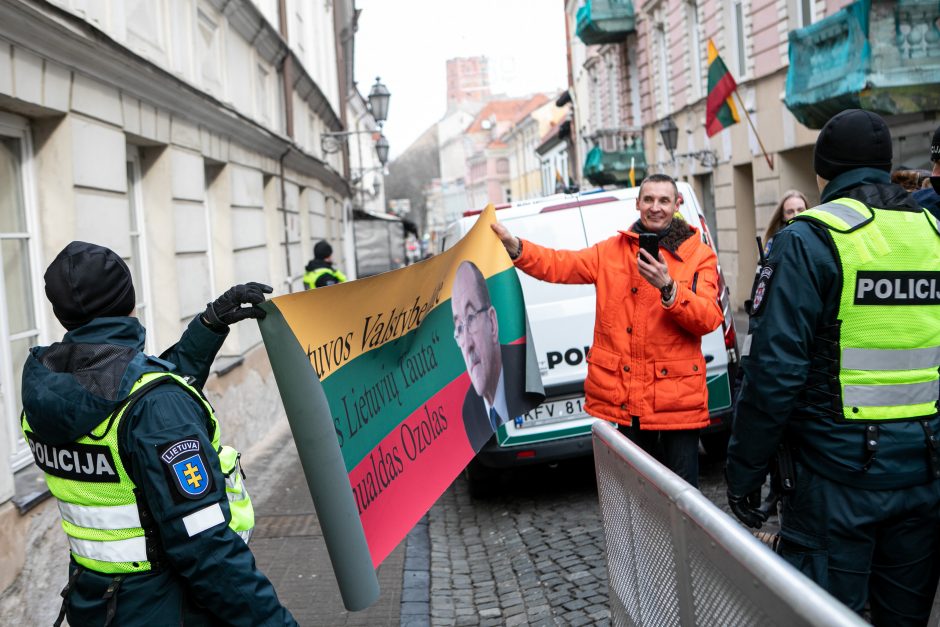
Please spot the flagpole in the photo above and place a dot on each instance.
(769, 158)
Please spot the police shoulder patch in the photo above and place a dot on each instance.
(186, 469)
(760, 289)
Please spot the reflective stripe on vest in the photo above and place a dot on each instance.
(884, 395)
(113, 517)
(311, 277)
(886, 359)
(99, 517)
(112, 551)
(888, 309)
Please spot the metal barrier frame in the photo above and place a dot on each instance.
(720, 573)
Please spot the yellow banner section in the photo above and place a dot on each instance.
(355, 317)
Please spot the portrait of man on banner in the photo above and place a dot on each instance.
(493, 368)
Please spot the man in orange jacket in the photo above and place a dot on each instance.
(646, 371)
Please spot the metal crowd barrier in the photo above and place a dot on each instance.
(674, 558)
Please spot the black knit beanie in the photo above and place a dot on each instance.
(322, 250)
(852, 139)
(87, 281)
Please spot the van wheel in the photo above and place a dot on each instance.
(481, 480)
(716, 444)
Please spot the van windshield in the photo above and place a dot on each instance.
(558, 229)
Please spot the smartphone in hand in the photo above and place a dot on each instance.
(650, 243)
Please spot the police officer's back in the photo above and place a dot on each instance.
(841, 362)
(131, 452)
(320, 271)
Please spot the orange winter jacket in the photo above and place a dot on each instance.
(646, 360)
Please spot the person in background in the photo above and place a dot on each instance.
(841, 368)
(792, 203)
(909, 179)
(320, 271)
(130, 449)
(929, 197)
(646, 371)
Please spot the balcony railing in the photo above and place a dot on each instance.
(881, 56)
(606, 166)
(605, 21)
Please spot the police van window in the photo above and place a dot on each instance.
(557, 229)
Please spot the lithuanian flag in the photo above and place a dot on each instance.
(720, 112)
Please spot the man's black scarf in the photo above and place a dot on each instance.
(670, 237)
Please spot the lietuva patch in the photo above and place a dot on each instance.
(760, 289)
(897, 288)
(186, 467)
(80, 462)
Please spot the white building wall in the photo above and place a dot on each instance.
(195, 105)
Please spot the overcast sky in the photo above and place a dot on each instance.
(407, 43)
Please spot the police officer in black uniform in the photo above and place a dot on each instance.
(196, 569)
(863, 516)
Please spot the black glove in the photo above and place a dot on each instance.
(227, 309)
(747, 508)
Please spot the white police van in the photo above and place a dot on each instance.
(561, 318)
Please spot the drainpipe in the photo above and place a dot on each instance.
(573, 133)
(287, 74)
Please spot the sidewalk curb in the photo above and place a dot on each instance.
(416, 577)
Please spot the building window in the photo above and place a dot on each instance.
(661, 67)
(613, 96)
(209, 50)
(804, 13)
(739, 41)
(19, 329)
(695, 49)
(138, 246)
(634, 71)
(261, 94)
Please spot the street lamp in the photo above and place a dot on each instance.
(378, 102)
(381, 149)
(670, 134)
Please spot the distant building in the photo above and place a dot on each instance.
(522, 141)
(487, 161)
(468, 80)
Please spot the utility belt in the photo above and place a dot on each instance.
(783, 467)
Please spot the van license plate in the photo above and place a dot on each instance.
(552, 411)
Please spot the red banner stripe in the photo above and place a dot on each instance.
(399, 480)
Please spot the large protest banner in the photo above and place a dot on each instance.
(391, 385)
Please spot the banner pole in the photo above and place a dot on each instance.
(769, 158)
(311, 424)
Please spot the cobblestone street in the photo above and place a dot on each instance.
(533, 555)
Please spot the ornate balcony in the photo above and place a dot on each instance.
(612, 167)
(881, 56)
(605, 21)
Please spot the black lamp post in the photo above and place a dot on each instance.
(670, 134)
(378, 102)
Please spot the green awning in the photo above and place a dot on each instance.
(881, 57)
(605, 21)
(613, 168)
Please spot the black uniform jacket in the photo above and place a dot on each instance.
(790, 385)
(209, 578)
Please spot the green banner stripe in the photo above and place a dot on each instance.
(370, 395)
